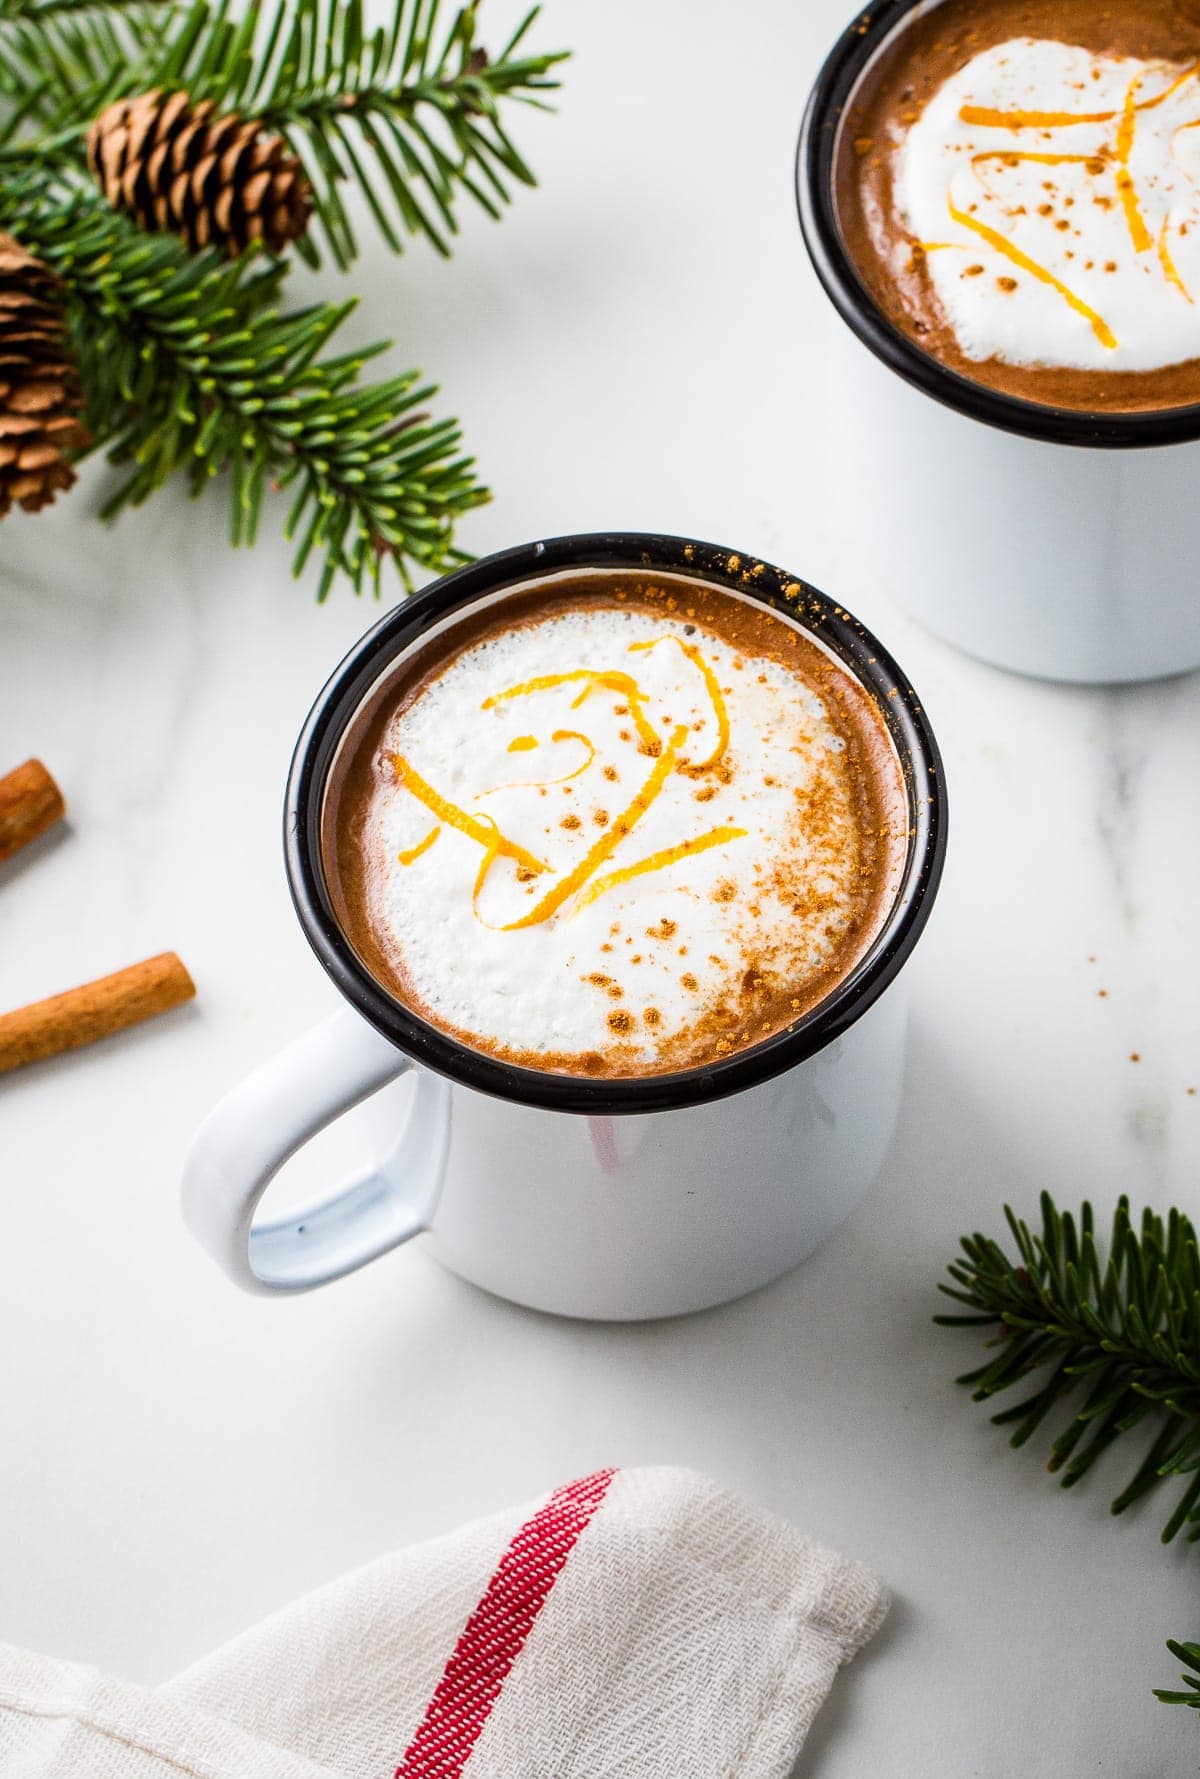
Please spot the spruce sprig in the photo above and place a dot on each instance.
(1124, 1330)
(188, 365)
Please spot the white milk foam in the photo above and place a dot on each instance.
(675, 939)
(1104, 245)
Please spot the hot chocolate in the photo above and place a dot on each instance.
(1018, 184)
(615, 827)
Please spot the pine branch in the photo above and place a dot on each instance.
(410, 114)
(1124, 1331)
(189, 367)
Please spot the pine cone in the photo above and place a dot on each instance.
(215, 180)
(40, 395)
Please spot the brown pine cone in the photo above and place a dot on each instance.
(215, 180)
(40, 396)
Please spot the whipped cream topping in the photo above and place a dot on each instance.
(610, 836)
(1055, 198)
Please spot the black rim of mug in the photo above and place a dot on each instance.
(637, 552)
(815, 169)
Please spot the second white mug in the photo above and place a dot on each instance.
(1045, 540)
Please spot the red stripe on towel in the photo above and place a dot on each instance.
(496, 1631)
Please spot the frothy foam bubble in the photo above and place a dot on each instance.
(1055, 195)
(606, 832)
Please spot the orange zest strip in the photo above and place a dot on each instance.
(612, 682)
(658, 861)
(1140, 235)
(1010, 157)
(414, 852)
(713, 689)
(472, 826)
(988, 119)
(543, 683)
(1168, 264)
(537, 784)
(491, 854)
(1169, 92)
(609, 840)
(1043, 160)
(1128, 127)
(522, 744)
(1002, 245)
(573, 735)
(628, 689)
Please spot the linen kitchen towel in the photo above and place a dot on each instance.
(636, 1624)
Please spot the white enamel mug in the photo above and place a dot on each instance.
(614, 1199)
(1044, 540)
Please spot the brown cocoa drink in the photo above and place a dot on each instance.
(1018, 185)
(615, 826)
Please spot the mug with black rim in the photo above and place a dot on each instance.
(608, 1198)
(1045, 540)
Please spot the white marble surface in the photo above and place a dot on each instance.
(638, 345)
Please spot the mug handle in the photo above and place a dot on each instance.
(260, 1125)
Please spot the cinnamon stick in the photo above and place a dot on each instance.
(30, 802)
(82, 1015)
